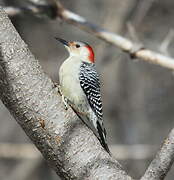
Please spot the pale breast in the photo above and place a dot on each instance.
(69, 81)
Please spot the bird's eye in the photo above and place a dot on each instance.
(77, 45)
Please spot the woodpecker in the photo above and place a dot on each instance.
(80, 87)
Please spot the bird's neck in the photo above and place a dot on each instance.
(78, 58)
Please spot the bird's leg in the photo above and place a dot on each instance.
(65, 102)
(58, 88)
(64, 99)
(77, 111)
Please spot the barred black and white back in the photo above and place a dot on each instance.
(90, 83)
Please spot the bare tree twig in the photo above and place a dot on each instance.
(48, 10)
(164, 159)
(31, 98)
(133, 34)
(166, 42)
(117, 40)
(157, 169)
(142, 9)
(13, 11)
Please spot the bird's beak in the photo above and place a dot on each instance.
(64, 42)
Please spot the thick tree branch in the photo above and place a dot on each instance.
(65, 142)
(113, 38)
(163, 161)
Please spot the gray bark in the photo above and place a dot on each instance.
(163, 160)
(66, 143)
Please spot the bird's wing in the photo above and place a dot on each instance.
(89, 81)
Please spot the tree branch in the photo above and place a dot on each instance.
(49, 9)
(29, 95)
(163, 161)
(117, 40)
(69, 147)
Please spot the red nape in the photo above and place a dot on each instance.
(91, 53)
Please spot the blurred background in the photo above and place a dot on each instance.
(137, 96)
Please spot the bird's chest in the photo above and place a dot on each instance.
(69, 80)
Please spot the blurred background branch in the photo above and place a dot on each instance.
(25, 169)
(163, 160)
(135, 50)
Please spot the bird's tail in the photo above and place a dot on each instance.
(102, 137)
(100, 133)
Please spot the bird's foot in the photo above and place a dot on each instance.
(65, 102)
(58, 88)
(64, 99)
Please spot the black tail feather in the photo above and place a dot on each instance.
(101, 132)
(102, 139)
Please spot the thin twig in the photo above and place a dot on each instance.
(117, 40)
(166, 42)
(42, 10)
(162, 162)
(141, 11)
(24, 169)
(132, 33)
(13, 11)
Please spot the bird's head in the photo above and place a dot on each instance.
(79, 49)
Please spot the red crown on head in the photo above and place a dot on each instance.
(91, 53)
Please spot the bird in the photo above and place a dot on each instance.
(79, 86)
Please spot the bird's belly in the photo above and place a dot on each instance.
(70, 87)
(70, 83)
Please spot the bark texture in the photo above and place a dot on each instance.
(66, 143)
(163, 160)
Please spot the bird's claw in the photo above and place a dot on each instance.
(65, 102)
(58, 88)
(64, 99)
